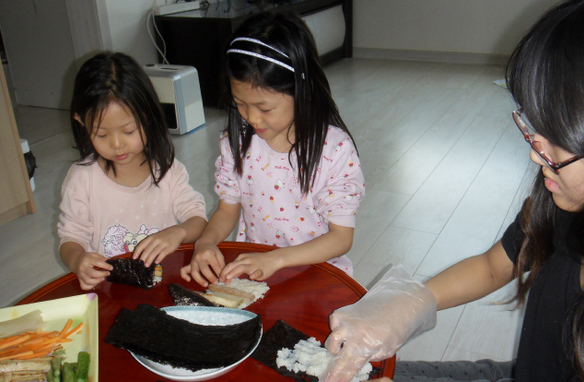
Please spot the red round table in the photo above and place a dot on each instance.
(303, 296)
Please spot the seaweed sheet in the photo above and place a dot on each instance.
(156, 335)
(131, 272)
(184, 296)
(280, 336)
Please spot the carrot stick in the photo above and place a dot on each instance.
(38, 338)
(15, 342)
(36, 354)
(67, 326)
(74, 330)
(35, 344)
(45, 343)
(15, 356)
(11, 338)
(11, 351)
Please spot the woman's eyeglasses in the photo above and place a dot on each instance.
(528, 133)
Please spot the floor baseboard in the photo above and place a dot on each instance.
(430, 56)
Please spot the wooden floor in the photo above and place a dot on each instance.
(446, 171)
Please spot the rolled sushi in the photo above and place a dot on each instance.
(133, 272)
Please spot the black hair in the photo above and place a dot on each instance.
(116, 77)
(314, 107)
(545, 75)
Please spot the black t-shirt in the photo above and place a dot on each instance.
(542, 354)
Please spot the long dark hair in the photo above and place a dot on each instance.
(314, 107)
(115, 77)
(545, 75)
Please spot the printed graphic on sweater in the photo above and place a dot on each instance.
(118, 240)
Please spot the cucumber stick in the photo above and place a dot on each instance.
(68, 372)
(82, 372)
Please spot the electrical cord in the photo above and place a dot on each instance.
(161, 52)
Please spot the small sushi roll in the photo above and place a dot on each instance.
(133, 272)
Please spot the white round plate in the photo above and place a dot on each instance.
(203, 315)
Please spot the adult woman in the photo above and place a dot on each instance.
(546, 78)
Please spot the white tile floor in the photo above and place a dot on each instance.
(446, 171)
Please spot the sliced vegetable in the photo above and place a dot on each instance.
(82, 372)
(55, 369)
(30, 344)
(68, 372)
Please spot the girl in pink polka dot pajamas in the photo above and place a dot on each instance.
(289, 173)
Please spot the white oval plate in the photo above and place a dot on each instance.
(203, 315)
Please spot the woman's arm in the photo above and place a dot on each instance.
(472, 278)
(260, 266)
(397, 307)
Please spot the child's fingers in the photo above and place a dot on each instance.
(237, 269)
(137, 253)
(88, 282)
(225, 272)
(211, 266)
(201, 278)
(102, 266)
(258, 274)
(185, 273)
(97, 273)
(209, 274)
(161, 256)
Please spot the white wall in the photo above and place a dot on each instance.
(448, 29)
(128, 25)
(47, 41)
(116, 25)
(39, 49)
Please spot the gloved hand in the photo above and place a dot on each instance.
(374, 328)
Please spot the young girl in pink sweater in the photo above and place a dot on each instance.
(127, 192)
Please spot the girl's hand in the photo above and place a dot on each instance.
(207, 262)
(259, 266)
(154, 248)
(91, 269)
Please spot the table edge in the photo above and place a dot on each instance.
(326, 267)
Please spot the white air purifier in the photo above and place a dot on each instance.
(179, 91)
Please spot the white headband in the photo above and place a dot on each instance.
(256, 41)
(257, 55)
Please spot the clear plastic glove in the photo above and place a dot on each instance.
(374, 328)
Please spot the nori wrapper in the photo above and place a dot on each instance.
(156, 335)
(281, 336)
(184, 296)
(131, 272)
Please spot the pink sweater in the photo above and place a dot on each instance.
(111, 219)
(274, 212)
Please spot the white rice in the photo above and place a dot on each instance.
(310, 357)
(257, 288)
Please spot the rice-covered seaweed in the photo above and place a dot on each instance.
(283, 336)
(156, 335)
